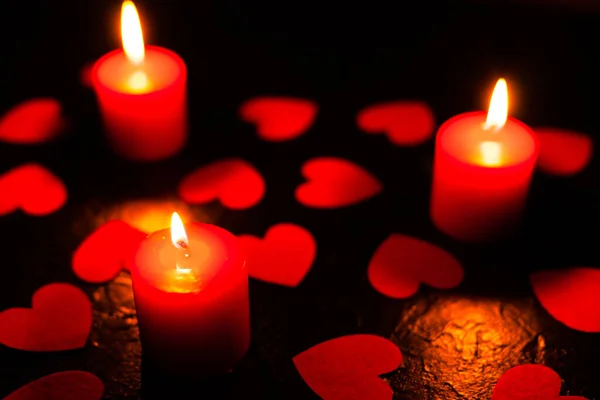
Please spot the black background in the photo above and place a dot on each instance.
(345, 56)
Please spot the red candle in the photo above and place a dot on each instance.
(141, 91)
(191, 295)
(482, 170)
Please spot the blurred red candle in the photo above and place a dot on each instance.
(482, 171)
(191, 295)
(141, 92)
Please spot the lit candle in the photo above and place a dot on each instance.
(141, 91)
(482, 171)
(191, 295)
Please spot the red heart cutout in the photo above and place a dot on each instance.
(335, 182)
(33, 189)
(406, 123)
(235, 182)
(348, 368)
(530, 382)
(106, 251)
(563, 152)
(86, 76)
(283, 257)
(401, 263)
(279, 118)
(67, 385)
(571, 296)
(33, 121)
(60, 319)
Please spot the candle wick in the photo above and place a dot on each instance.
(182, 244)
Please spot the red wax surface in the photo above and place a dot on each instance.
(479, 190)
(144, 107)
(192, 303)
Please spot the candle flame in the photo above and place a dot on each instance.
(178, 235)
(498, 111)
(491, 153)
(131, 33)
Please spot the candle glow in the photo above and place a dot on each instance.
(142, 93)
(498, 110)
(482, 171)
(131, 33)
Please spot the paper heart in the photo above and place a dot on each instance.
(283, 257)
(235, 182)
(60, 319)
(530, 382)
(86, 75)
(33, 121)
(67, 385)
(401, 263)
(33, 189)
(279, 118)
(106, 251)
(406, 123)
(571, 296)
(348, 368)
(563, 152)
(335, 182)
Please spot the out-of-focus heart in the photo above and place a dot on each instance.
(279, 118)
(60, 319)
(67, 385)
(572, 296)
(283, 257)
(348, 368)
(33, 189)
(33, 121)
(335, 182)
(530, 382)
(406, 123)
(235, 182)
(106, 251)
(401, 263)
(563, 152)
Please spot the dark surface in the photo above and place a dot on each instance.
(455, 344)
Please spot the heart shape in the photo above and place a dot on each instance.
(406, 123)
(563, 152)
(530, 382)
(106, 251)
(67, 385)
(33, 189)
(279, 118)
(571, 296)
(60, 319)
(401, 263)
(235, 182)
(348, 368)
(33, 121)
(335, 182)
(283, 257)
